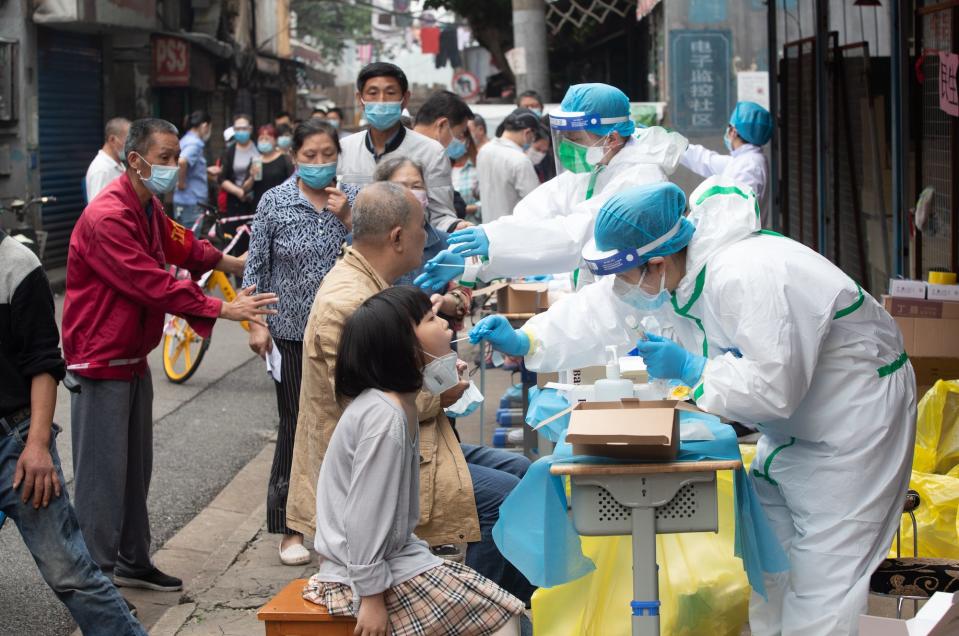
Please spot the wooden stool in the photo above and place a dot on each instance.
(289, 614)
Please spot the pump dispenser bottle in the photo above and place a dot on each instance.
(614, 387)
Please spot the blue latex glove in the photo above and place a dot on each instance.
(470, 242)
(668, 361)
(498, 332)
(440, 270)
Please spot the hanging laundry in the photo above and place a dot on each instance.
(448, 49)
(430, 40)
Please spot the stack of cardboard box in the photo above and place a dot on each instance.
(928, 316)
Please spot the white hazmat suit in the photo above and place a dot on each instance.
(796, 348)
(745, 165)
(548, 228)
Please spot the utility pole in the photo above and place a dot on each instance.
(529, 32)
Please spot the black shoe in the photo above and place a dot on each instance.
(152, 580)
(131, 607)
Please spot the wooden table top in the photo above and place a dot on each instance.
(644, 469)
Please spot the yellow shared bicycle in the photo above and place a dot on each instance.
(183, 348)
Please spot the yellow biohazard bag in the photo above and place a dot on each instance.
(702, 586)
(937, 429)
(935, 476)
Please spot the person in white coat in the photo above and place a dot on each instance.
(505, 174)
(767, 332)
(750, 128)
(597, 155)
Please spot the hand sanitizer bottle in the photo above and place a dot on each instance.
(614, 387)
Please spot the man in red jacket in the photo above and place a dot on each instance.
(118, 292)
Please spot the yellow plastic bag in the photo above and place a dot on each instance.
(702, 586)
(937, 429)
(936, 517)
(935, 476)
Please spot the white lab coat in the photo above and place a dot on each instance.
(796, 348)
(549, 227)
(745, 165)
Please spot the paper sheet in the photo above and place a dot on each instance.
(273, 362)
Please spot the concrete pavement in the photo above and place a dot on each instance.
(204, 432)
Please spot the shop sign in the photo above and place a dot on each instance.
(700, 80)
(171, 61)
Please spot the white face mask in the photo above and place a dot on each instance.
(440, 374)
(596, 152)
(468, 403)
(423, 197)
(535, 156)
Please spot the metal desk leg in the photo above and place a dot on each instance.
(645, 573)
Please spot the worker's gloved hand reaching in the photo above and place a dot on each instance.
(668, 361)
(470, 242)
(440, 270)
(498, 332)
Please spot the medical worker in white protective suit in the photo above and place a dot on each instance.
(766, 332)
(597, 155)
(750, 127)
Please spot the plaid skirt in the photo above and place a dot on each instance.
(448, 600)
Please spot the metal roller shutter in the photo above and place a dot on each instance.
(71, 129)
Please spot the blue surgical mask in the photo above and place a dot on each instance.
(456, 149)
(242, 136)
(317, 175)
(334, 122)
(637, 298)
(383, 115)
(537, 111)
(264, 147)
(284, 141)
(162, 178)
(727, 142)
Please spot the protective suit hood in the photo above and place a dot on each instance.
(724, 213)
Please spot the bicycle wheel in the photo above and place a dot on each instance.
(183, 350)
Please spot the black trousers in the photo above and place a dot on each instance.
(288, 405)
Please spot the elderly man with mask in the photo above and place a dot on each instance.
(459, 501)
(118, 293)
(765, 331)
(598, 156)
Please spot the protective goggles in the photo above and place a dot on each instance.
(604, 263)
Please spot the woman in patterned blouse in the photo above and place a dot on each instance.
(298, 232)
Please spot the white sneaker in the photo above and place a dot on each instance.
(295, 554)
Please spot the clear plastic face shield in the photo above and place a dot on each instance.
(604, 263)
(575, 147)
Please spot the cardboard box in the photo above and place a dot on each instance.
(518, 298)
(930, 328)
(900, 288)
(628, 429)
(930, 332)
(942, 292)
(938, 617)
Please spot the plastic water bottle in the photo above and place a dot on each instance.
(257, 168)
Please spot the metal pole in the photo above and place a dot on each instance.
(772, 202)
(821, 122)
(895, 113)
(645, 571)
(529, 32)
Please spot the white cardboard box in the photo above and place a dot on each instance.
(942, 292)
(938, 617)
(900, 288)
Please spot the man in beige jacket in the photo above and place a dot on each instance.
(388, 238)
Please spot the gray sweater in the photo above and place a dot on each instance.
(367, 500)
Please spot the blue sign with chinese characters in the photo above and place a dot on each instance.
(700, 80)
